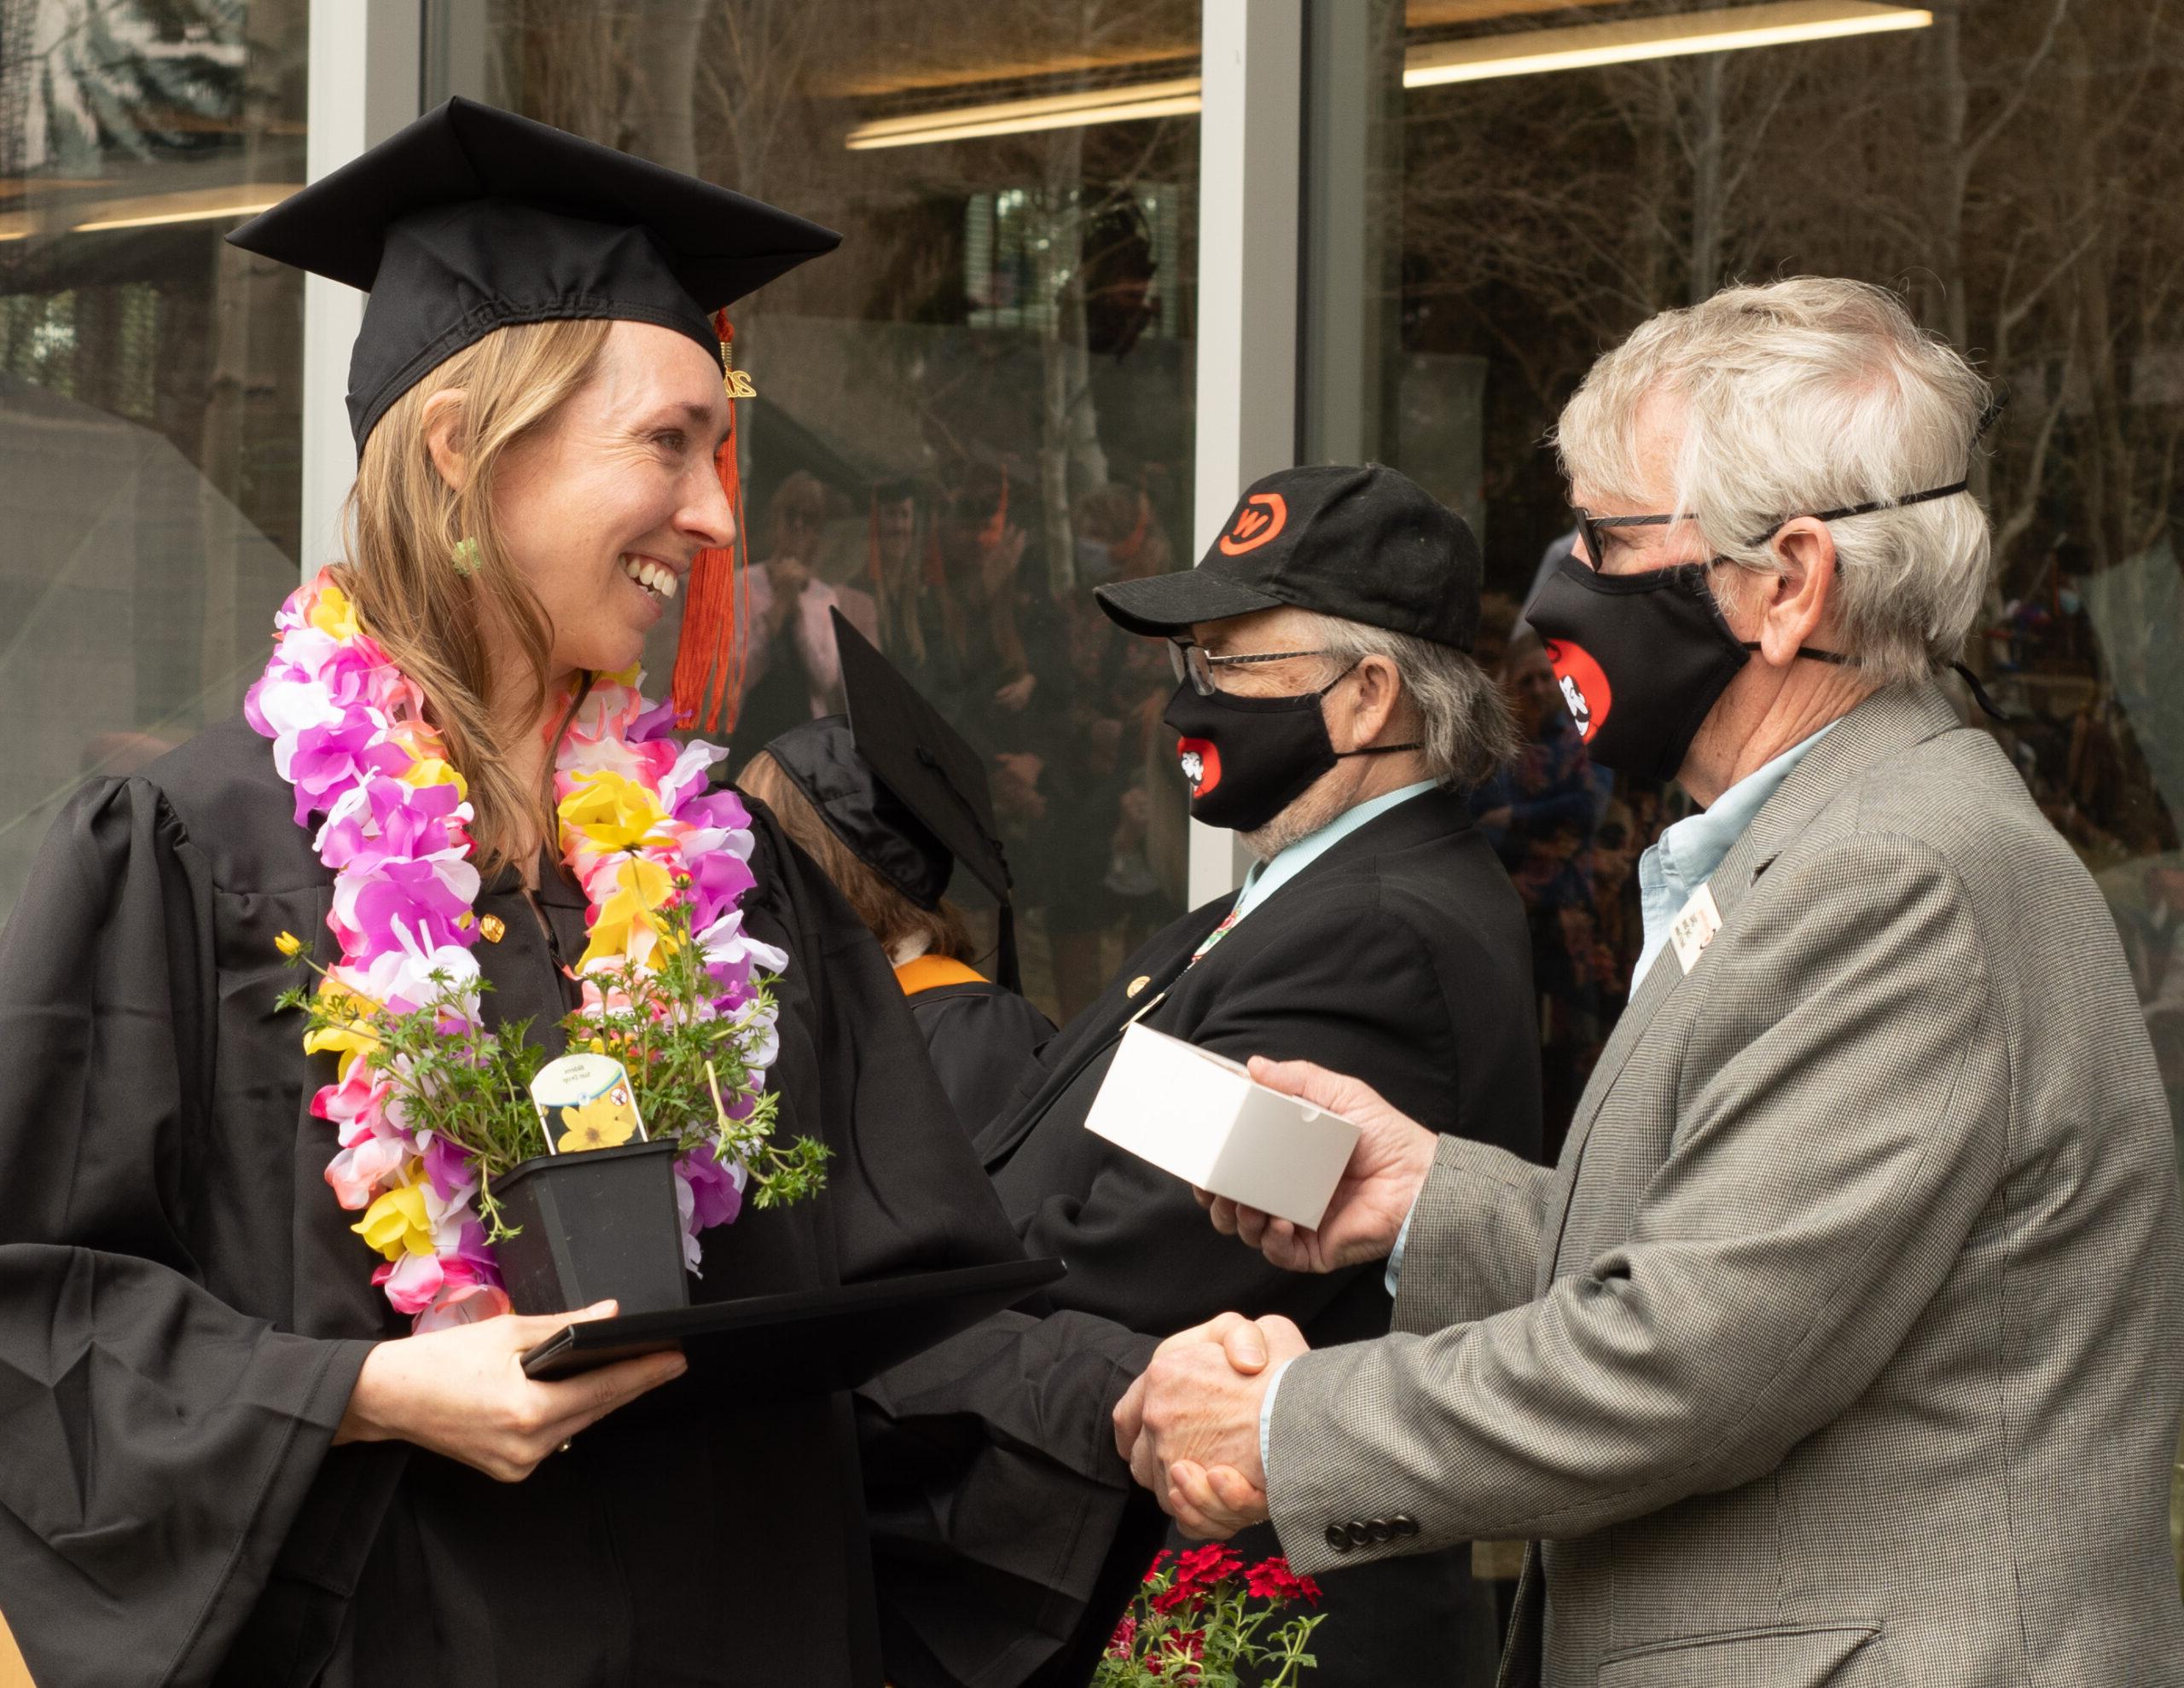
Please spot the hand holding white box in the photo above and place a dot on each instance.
(1200, 1116)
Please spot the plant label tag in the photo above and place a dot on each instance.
(585, 1102)
(1694, 928)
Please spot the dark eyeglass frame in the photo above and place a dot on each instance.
(1192, 662)
(1589, 524)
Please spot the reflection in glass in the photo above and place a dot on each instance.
(976, 411)
(150, 379)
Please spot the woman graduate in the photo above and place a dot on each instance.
(228, 1453)
(888, 799)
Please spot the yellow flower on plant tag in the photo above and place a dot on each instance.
(333, 614)
(603, 1123)
(641, 887)
(613, 810)
(397, 1224)
(289, 945)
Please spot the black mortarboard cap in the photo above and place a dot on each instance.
(898, 785)
(472, 219)
(925, 760)
(820, 759)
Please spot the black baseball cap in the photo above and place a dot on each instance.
(472, 219)
(1364, 544)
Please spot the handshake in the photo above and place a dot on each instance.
(1189, 1426)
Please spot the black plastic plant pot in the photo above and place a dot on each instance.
(593, 1226)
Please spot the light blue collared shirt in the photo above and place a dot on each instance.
(1685, 855)
(1267, 878)
(1670, 875)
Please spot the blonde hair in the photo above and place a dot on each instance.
(1800, 396)
(889, 915)
(426, 564)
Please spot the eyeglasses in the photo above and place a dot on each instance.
(1589, 525)
(1192, 662)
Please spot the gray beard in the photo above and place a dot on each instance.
(1303, 818)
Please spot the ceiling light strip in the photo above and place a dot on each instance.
(1479, 59)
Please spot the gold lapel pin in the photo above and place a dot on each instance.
(1138, 984)
(493, 928)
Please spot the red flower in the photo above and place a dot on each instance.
(1124, 1637)
(1180, 1595)
(1273, 1580)
(1203, 1567)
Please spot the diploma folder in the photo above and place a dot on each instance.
(806, 1342)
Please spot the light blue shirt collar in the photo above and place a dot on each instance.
(1267, 878)
(1685, 855)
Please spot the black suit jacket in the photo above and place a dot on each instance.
(1005, 1556)
(1399, 956)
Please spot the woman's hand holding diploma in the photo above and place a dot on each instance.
(462, 1393)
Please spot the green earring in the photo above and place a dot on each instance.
(467, 556)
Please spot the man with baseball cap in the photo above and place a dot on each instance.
(1327, 709)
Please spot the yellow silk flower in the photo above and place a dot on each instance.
(396, 1224)
(613, 810)
(348, 1041)
(333, 614)
(432, 770)
(641, 887)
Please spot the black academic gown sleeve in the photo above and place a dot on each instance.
(980, 1037)
(156, 1441)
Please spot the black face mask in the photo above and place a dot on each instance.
(1249, 759)
(1639, 674)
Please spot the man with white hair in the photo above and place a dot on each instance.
(1846, 1343)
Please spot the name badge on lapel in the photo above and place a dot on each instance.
(1694, 928)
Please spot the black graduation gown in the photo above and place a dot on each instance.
(183, 1310)
(980, 1036)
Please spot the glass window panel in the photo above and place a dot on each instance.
(150, 379)
(2010, 167)
(977, 411)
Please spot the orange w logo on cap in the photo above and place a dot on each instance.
(1258, 520)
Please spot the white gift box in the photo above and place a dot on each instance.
(1200, 1116)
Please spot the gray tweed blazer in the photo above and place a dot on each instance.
(1845, 1346)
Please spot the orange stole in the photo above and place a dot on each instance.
(928, 972)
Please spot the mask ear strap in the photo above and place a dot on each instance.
(1370, 749)
(1987, 706)
(1810, 655)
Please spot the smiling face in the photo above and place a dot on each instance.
(604, 510)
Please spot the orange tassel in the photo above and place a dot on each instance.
(714, 649)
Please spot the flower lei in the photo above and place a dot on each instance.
(349, 732)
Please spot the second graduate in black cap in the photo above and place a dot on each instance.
(223, 1453)
(887, 800)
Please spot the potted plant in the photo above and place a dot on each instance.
(581, 1196)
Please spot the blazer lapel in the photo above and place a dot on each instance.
(1095, 1031)
(1885, 724)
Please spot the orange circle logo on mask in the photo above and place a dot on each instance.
(1259, 519)
(1584, 686)
(1201, 764)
